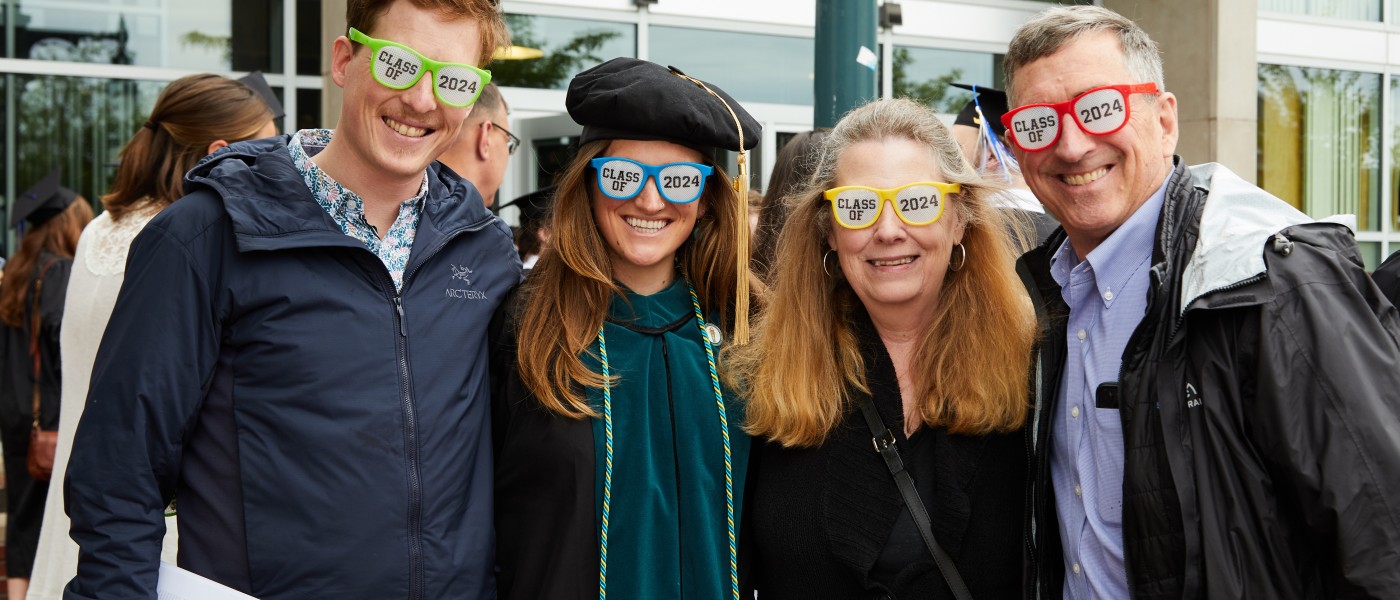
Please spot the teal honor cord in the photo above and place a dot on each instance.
(608, 463)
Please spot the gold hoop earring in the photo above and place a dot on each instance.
(955, 267)
(824, 267)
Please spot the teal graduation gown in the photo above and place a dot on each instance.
(667, 533)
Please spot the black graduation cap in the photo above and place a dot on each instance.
(44, 201)
(533, 206)
(627, 98)
(255, 80)
(993, 103)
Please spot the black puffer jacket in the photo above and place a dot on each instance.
(1260, 402)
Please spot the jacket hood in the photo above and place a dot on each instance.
(1236, 222)
(270, 206)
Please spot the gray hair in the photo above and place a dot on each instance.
(1049, 31)
(489, 104)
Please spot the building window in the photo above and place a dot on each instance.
(923, 74)
(570, 46)
(1319, 141)
(1361, 10)
(751, 67)
(196, 36)
(82, 122)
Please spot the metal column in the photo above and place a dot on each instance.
(844, 27)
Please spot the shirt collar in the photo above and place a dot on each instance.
(1120, 255)
(334, 197)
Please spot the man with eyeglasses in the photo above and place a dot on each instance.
(484, 146)
(297, 355)
(1217, 409)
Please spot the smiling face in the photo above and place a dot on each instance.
(894, 267)
(396, 134)
(1092, 184)
(644, 233)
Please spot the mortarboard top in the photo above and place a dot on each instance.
(533, 206)
(44, 201)
(255, 80)
(631, 99)
(993, 103)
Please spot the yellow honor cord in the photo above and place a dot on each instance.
(741, 223)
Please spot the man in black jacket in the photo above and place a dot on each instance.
(298, 352)
(1217, 408)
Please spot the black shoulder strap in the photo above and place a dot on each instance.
(884, 442)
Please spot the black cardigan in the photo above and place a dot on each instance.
(819, 518)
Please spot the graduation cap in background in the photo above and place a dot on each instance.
(255, 80)
(984, 112)
(534, 206)
(44, 201)
(992, 103)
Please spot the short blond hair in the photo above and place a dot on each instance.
(364, 15)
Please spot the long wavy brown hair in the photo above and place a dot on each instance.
(567, 294)
(58, 237)
(191, 113)
(970, 368)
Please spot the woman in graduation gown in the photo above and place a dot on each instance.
(31, 310)
(620, 457)
(896, 291)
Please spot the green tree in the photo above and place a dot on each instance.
(936, 93)
(558, 64)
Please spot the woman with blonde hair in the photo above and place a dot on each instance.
(619, 455)
(194, 116)
(31, 310)
(896, 323)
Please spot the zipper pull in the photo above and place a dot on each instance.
(403, 324)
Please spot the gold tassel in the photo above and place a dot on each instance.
(741, 223)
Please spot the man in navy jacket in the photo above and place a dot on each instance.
(298, 351)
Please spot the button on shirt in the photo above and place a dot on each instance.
(1107, 297)
(348, 209)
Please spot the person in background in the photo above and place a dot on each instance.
(619, 455)
(896, 300)
(1387, 277)
(755, 207)
(532, 236)
(292, 351)
(484, 145)
(1216, 401)
(194, 116)
(791, 171)
(979, 132)
(31, 311)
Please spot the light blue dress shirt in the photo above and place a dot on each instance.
(1107, 297)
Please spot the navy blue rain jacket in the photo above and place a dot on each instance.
(326, 437)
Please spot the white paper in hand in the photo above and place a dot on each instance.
(178, 584)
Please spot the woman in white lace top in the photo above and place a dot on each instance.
(195, 116)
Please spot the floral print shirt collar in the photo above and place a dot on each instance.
(348, 209)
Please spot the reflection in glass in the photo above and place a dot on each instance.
(1371, 254)
(1362, 10)
(77, 124)
(1319, 140)
(570, 46)
(1395, 153)
(923, 74)
(199, 36)
(751, 67)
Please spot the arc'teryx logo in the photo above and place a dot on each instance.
(463, 273)
(1193, 398)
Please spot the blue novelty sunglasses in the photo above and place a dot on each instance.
(624, 178)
